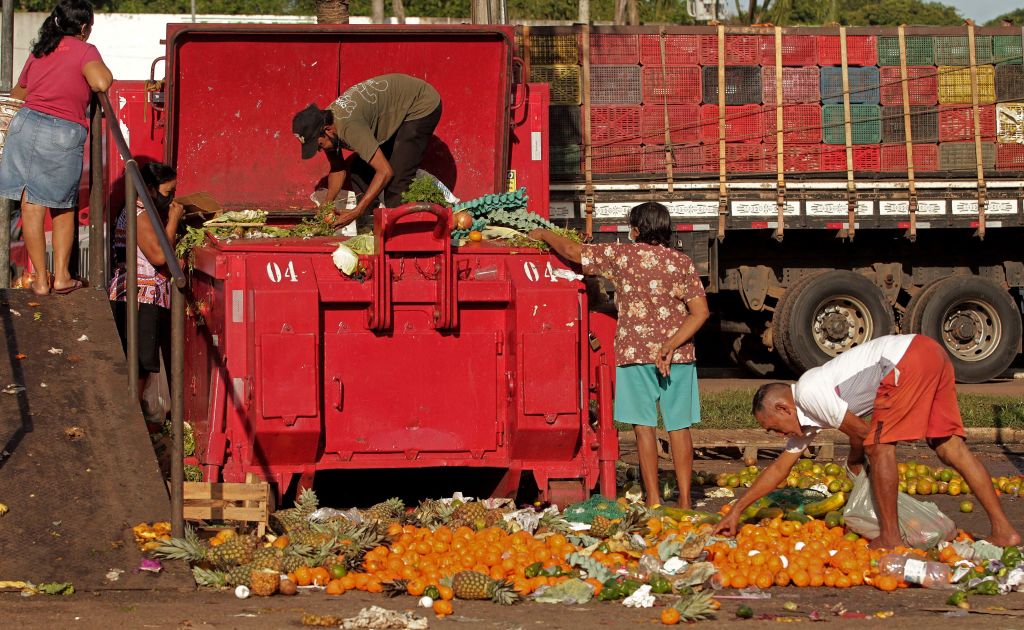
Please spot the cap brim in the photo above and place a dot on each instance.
(309, 149)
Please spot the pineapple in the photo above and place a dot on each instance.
(386, 512)
(475, 585)
(695, 607)
(292, 561)
(635, 521)
(471, 514)
(395, 588)
(265, 582)
(555, 522)
(267, 558)
(298, 516)
(235, 551)
(432, 514)
(357, 541)
(601, 527)
(206, 577)
(240, 575)
(312, 536)
(189, 548)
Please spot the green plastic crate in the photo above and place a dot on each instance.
(963, 157)
(564, 81)
(565, 160)
(866, 125)
(1007, 48)
(920, 51)
(549, 50)
(954, 50)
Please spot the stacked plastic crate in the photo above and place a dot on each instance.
(655, 102)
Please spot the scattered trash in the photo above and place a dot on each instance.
(48, 588)
(13, 388)
(15, 313)
(345, 260)
(641, 598)
(43, 385)
(56, 351)
(83, 338)
(114, 575)
(37, 316)
(242, 591)
(4, 509)
(426, 602)
(33, 304)
(720, 493)
(374, 617)
(571, 592)
(20, 356)
(74, 433)
(149, 565)
(790, 606)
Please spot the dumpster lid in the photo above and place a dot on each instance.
(233, 89)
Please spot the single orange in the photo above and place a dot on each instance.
(320, 576)
(670, 616)
(442, 607)
(334, 587)
(303, 576)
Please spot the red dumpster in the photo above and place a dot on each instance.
(478, 357)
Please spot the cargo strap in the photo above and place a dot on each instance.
(978, 155)
(909, 137)
(527, 54)
(851, 186)
(588, 156)
(723, 197)
(664, 103)
(780, 164)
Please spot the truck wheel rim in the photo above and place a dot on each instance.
(971, 330)
(841, 322)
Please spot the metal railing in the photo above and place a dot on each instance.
(135, 189)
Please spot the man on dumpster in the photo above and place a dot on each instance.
(906, 384)
(386, 121)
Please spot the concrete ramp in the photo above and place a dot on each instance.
(77, 469)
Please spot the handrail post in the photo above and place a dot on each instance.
(131, 301)
(6, 83)
(177, 382)
(97, 208)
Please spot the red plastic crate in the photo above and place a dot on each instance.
(797, 50)
(801, 124)
(685, 159)
(739, 158)
(680, 50)
(894, 158)
(672, 84)
(615, 123)
(740, 50)
(743, 123)
(1010, 157)
(796, 158)
(608, 48)
(866, 158)
(922, 85)
(861, 50)
(799, 85)
(616, 158)
(683, 123)
(956, 123)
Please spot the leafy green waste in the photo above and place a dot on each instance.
(424, 189)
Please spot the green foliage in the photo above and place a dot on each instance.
(851, 12)
(424, 189)
(1016, 16)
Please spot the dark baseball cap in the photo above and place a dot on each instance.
(308, 126)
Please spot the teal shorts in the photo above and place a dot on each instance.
(640, 388)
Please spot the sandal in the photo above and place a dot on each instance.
(74, 286)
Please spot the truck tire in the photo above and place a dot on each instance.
(829, 314)
(783, 314)
(911, 323)
(978, 324)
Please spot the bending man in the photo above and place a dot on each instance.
(386, 121)
(906, 384)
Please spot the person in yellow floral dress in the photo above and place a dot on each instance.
(661, 306)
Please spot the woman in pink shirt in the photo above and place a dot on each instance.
(42, 159)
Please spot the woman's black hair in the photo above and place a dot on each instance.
(652, 221)
(70, 17)
(156, 173)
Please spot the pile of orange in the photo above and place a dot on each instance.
(780, 553)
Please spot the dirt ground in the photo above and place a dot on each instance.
(193, 609)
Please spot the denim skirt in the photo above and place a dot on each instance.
(42, 156)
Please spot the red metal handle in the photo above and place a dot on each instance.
(524, 83)
(341, 393)
(440, 213)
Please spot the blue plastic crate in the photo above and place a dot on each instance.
(864, 85)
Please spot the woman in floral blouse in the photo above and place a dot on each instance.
(661, 306)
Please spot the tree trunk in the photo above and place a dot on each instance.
(584, 16)
(620, 12)
(377, 11)
(398, 9)
(634, 14)
(332, 11)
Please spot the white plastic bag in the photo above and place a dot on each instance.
(922, 524)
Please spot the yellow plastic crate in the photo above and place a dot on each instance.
(565, 82)
(955, 85)
(1010, 123)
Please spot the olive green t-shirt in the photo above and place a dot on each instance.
(369, 113)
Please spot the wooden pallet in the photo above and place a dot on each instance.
(248, 502)
(748, 442)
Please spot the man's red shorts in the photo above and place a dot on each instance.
(917, 400)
